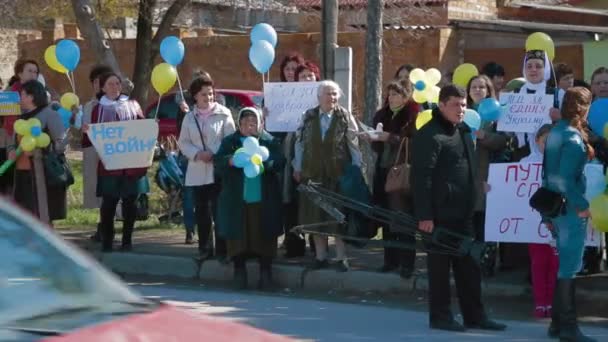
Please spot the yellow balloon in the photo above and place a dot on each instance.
(433, 76)
(43, 140)
(28, 143)
(417, 75)
(33, 122)
(423, 118)
(463, 74)
(599, 213)
(420, 96)
(541, 41)
(432, 94)
(68, 100)
(51, 60)
(163, 77)
(256, 159)
(21, 127)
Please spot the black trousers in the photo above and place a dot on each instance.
(205, 211)
(108, 212)
(467, 277)
(399, 257)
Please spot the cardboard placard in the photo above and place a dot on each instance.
(286, 102)
(524, 113)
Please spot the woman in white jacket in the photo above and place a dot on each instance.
(201, 134)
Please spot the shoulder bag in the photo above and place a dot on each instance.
(398, 178)
(547, 202)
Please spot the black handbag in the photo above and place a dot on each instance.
(547, 202)
(56, 170)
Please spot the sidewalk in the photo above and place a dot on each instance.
(163, 253)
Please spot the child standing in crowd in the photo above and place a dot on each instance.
(543, 257)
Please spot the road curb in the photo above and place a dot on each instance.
(297, 277)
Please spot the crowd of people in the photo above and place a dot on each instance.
(240, 217)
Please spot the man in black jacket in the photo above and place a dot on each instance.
(443, 179)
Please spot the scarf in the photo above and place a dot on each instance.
(31, 114)
(121, 109)
(203, 114)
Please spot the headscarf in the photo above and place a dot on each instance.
(253, 110)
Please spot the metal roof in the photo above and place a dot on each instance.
(316, 4)
(556, 7)
(524, 26)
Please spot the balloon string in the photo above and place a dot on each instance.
(181, 90)
(157, 106)
(67, 74)
(73, 82)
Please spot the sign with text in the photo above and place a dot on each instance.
(10, 103)
(509, 217)
(524, 113)
(124, 144)
(286, 102)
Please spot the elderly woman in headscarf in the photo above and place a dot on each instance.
(326, 144)
(249, 209)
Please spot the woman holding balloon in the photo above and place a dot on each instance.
(116, 185)
(37, 112)
(249, 208)
(200, 137)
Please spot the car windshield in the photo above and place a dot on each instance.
(258, 99)
(40, 273)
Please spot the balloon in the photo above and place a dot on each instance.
(606, 131)
(43, 140)
(256, 159)
(417, 75)
(489, 109)
(261, 56)
(252, 170)
(463, 74)
(433, 76)
(599, 213)
(250, 145)
(541, 41)
(68, 100)
(21, 127)
(172, 50)
(241, 159)
(28, 143)
(68, 54)
(423, 118)
(598, 116)
(164, 77)
(472, 119)
(264, 32)
(35, 131)
(65, 115)
(264, 153)
(420, 97)
(432, 94)
(33, 122)
(420, 85)
(515, 83)
(50, 58)
(596, 182)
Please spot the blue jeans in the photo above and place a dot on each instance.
(571, 231)
(188, 208)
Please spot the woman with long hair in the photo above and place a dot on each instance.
(566, 153)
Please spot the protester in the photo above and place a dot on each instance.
(307, 72)
(496, 73)
(25, 70)
(289, 65)
(326, 143)
(201, 135)
(567, 151)
(564, 75)
(90, 160)
(403, 72)
(599, 83)
(34, 104)
(116, 185)
(398, 119)
(250, 208)
(443, 179)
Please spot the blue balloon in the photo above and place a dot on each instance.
(263, 31)
(241, 159)
(36, 131)
(472, 119)
(489, 109)
(65, 115)
(68, 54)
(598, 116)
(172, 50)
(596, 181)
(252, 170)
(420, 85)
(261, 56)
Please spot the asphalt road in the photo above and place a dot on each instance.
(319, 320)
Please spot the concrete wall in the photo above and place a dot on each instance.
(9, 53)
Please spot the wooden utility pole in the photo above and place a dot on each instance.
(373, 59)
(329, 37)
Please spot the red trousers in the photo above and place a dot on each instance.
(544, 263)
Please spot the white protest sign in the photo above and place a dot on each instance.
(286, 102)
(509, 217)
(124, 144)
(524, 113)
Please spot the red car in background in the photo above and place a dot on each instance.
(169, 110)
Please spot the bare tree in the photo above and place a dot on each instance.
(373, 59)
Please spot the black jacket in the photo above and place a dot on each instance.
(443, 172)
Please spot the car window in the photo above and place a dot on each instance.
(233, 103)
(37, 265)
(168, 109)
(258, 99)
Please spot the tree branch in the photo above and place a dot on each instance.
(165, 24)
